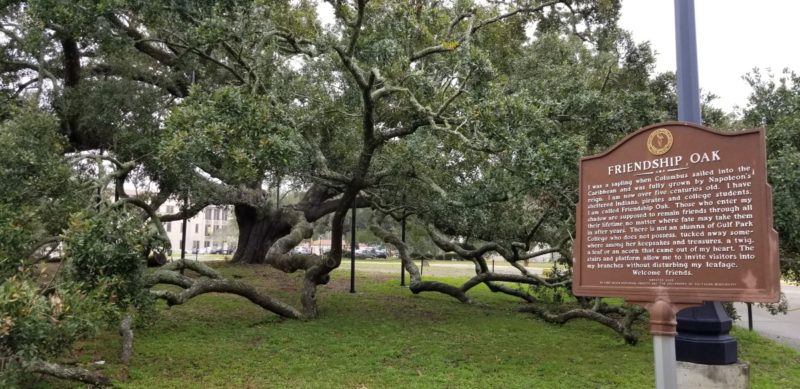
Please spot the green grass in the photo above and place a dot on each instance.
(385, 337)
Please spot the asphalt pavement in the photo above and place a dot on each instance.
(782, 328)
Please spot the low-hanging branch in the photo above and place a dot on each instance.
(213, 283)
(66, 372)
(599, 313)
(515, 278)
(484, 276)
(623, 327)
(279, 253)
(417, 285)
(447, 245)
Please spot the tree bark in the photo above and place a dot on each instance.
(126, 333)
(258, 231)
(215, 283)
(622, 327)
(320, 273)
(70, 373)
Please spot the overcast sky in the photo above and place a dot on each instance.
(733, 37)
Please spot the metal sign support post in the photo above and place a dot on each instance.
(666, 366)
(403, 238)
(183, 227)
(663, 328)
(703, 331)
(686, 53)
(353, 248)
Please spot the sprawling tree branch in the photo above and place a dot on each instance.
(69, 373)
(141, 43)
(215, 283)
(360, 5)
(279, 254)
(448, 245)
(450, 46)
(390, 238)
(624, 327)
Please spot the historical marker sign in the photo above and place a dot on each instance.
(677, 212)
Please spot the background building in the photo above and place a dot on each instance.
(212, 230)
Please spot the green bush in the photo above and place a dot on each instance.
(110, 248)
(41, 324)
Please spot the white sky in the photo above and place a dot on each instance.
(733, 37)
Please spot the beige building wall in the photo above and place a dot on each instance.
(213, 228)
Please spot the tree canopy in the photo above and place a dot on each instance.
(774, 104)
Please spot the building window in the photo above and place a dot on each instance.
(208, 213)
(216, 214)
(169, 227)
(196, 228)
(206, 243)
(225, 214)
(208, 229)
(169, 209)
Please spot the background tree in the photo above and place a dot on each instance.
(774, 104)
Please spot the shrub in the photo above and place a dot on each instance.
(37, 324)
(110, 248)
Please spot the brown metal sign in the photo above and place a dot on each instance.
(677, 212)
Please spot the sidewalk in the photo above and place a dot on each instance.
(782, 328)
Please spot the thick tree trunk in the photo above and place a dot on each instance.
(258, 231)
(320, 274)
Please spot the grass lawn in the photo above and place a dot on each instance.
(385, 337)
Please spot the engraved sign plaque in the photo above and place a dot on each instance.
(677, 212)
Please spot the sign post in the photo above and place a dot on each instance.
(674, 215)
(666, 366)
(703, 332)
(353, 248)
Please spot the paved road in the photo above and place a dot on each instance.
(782, 328)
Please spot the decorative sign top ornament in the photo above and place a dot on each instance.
(659, 141)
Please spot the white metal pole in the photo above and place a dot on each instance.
(666, 367)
